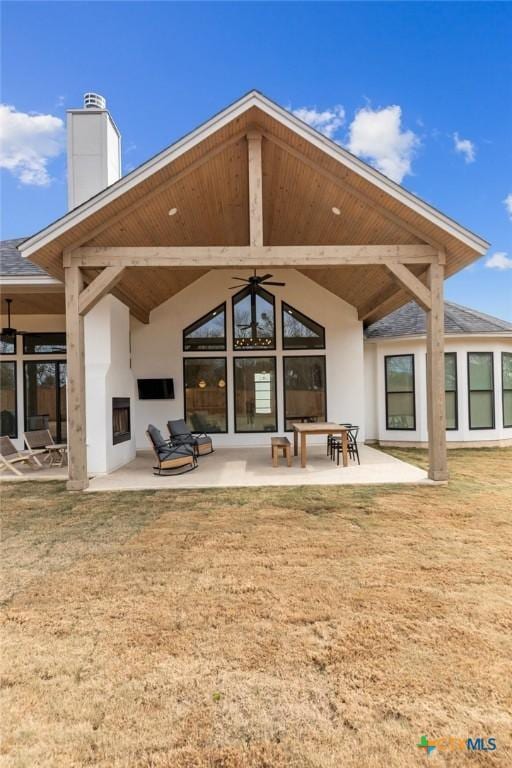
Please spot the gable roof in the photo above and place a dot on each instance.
(410, 320)
(205, 176)
(12, 263)
(253, 99)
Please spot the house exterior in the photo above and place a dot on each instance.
(230, 280)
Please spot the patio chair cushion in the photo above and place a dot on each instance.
(157, 438)
(178, 428)
(204, 444)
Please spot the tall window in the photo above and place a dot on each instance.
(506, 379)
(481, 390)
(450, 386)
(45, 397)
(253, 319)
(208, 334)
(400, 405)
(299, 331)
(8, 402)
(304, 389)
(205, 393)
(255, 394)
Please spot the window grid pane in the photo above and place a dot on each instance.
(205, 393)
(7, 343)
(8, 400)
(44, 343)
(304, 389)
(481, 390)
(400, 392)
(299, 331)
(450, 383)
(255, 394)
(506, 372)
(208, 333)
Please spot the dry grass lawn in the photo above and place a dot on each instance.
(250, 628)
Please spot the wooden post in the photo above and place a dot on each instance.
(77, 455)
(255, 189)
(438, 466)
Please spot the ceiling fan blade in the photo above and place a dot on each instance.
(267, 283)
(265, 277)
(235, 277)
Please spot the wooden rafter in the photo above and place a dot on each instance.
(419, 292)
(255, 188)
(98, 288)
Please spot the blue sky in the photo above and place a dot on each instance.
(165, 67)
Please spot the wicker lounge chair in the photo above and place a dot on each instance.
(10, 456)
(42, 439)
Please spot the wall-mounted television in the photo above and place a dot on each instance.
(156, 389)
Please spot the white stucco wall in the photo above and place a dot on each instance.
(107, 375)
(157, 350)
(375, 352)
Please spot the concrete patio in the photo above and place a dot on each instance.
(239, 467)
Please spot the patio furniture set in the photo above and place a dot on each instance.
(41, 450)
(179, 452)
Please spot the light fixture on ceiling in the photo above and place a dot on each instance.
(335, 210)
(201, 384)
(173, 211)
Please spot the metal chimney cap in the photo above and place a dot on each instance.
(94, 101)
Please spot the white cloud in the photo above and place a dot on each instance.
(464, 147)
(327, 122)
(377, 136)
(499, 260)
(27, 144)
(508, 204)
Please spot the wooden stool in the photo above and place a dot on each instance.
(281, 443)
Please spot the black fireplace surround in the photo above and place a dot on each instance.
(121, 431)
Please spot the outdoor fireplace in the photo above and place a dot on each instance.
(120, 419)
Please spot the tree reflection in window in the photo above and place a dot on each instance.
(208, 333)
(253, 319)
(299, 331)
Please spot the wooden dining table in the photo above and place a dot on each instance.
(320, 428)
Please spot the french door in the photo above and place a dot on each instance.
(45, 397)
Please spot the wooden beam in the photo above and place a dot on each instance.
(77, 452)
(419, 292)
(436, 414)
(129, 209)
(361, 196)
(99, 288)
(255, 189)
(252, 256)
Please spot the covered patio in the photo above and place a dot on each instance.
(248, 467)
(253, 188)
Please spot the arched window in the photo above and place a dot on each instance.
(253, 319)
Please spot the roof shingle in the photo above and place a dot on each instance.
(410, 320)
(12, 263)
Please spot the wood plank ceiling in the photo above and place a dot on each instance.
(301, 185)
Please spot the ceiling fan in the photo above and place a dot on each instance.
(254, 281)
(8, 331)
